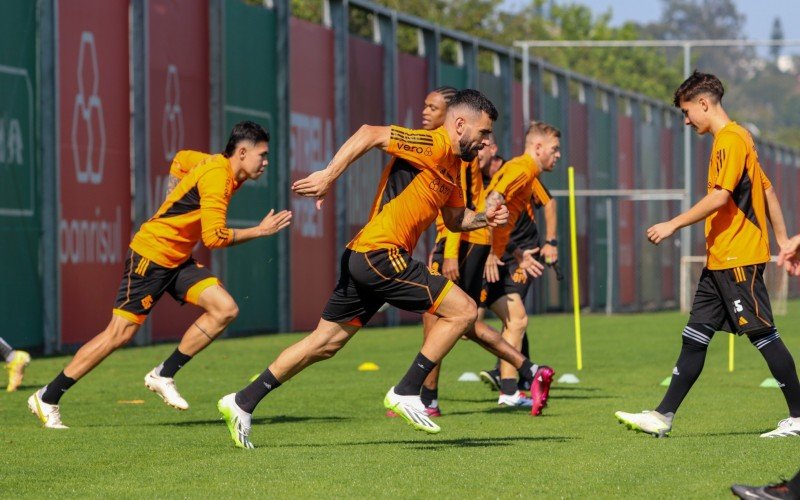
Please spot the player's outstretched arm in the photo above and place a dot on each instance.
(269, 225)
(710, 203)
(775, 215)
(460, 219)
(318, 183)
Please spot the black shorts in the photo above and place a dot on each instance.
(471, 259)
(734, 300)
(368, 280)
(144, 282)
(512, 280)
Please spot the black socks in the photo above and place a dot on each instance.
(687, 368)
(54, 390)
(781, 365)
(173, 363)
(248, 398)
(411, 383)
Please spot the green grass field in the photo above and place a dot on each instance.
(324, 433)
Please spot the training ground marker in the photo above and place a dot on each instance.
(770, 383)
(368, 366)
(469, 377)
(568, 378)
(666, 381)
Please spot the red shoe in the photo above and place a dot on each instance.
(433, 411)
(541, 389)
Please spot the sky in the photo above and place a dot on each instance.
(758, 25)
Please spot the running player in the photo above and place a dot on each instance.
(517, 182)
(525, 235)
(160, 260)
(377, 266)
(16, 361)
(731, 295)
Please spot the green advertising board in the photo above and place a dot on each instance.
(250, 57)
(20, 213)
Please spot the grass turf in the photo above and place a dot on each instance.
(324, 433)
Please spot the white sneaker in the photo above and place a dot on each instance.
(516, 399)
(649, 422)
(165, 387)
(49, 415)
(786, 427)
(412, 410)
(237, 420)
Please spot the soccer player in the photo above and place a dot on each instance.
(517, 182)
(160, 260)
(377, 266)
(16, 361)
(524, 235)
(789, 490)
(731, 294)
(460, 256)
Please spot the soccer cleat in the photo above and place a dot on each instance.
(237, 420)
(491, 378)
(412, 410)
(49, 415)
(432, 411)
(786, 427)
(16, 369)
(516, 400)
(770, 491)
(540, 389)
(649, 422)
(165, 387)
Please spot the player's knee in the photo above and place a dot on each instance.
(697, 336)
(468, 314)
(121, 335)
(327, 350)
(225, 313)
(518, 324)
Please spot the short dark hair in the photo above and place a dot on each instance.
(474, 100)
(245, 131)
(447, 92)
(699, 83)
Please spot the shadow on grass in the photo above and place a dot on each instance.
(559, 388)
(283, 419)
(555, 395)
(437, 444)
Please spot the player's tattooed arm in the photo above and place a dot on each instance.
(172, 181)
(464, 219)
(494, 200)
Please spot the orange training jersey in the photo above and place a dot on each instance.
(196, 209)
(422, 177)
(736, 235)
(515, 182)
(472, 189)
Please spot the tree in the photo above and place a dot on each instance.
(706, 20)
(776, 36)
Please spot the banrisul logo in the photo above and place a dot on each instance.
(88, 129)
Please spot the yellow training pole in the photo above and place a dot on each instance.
(730, 353)
(573, 241)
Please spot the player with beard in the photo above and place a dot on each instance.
(377, 266)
